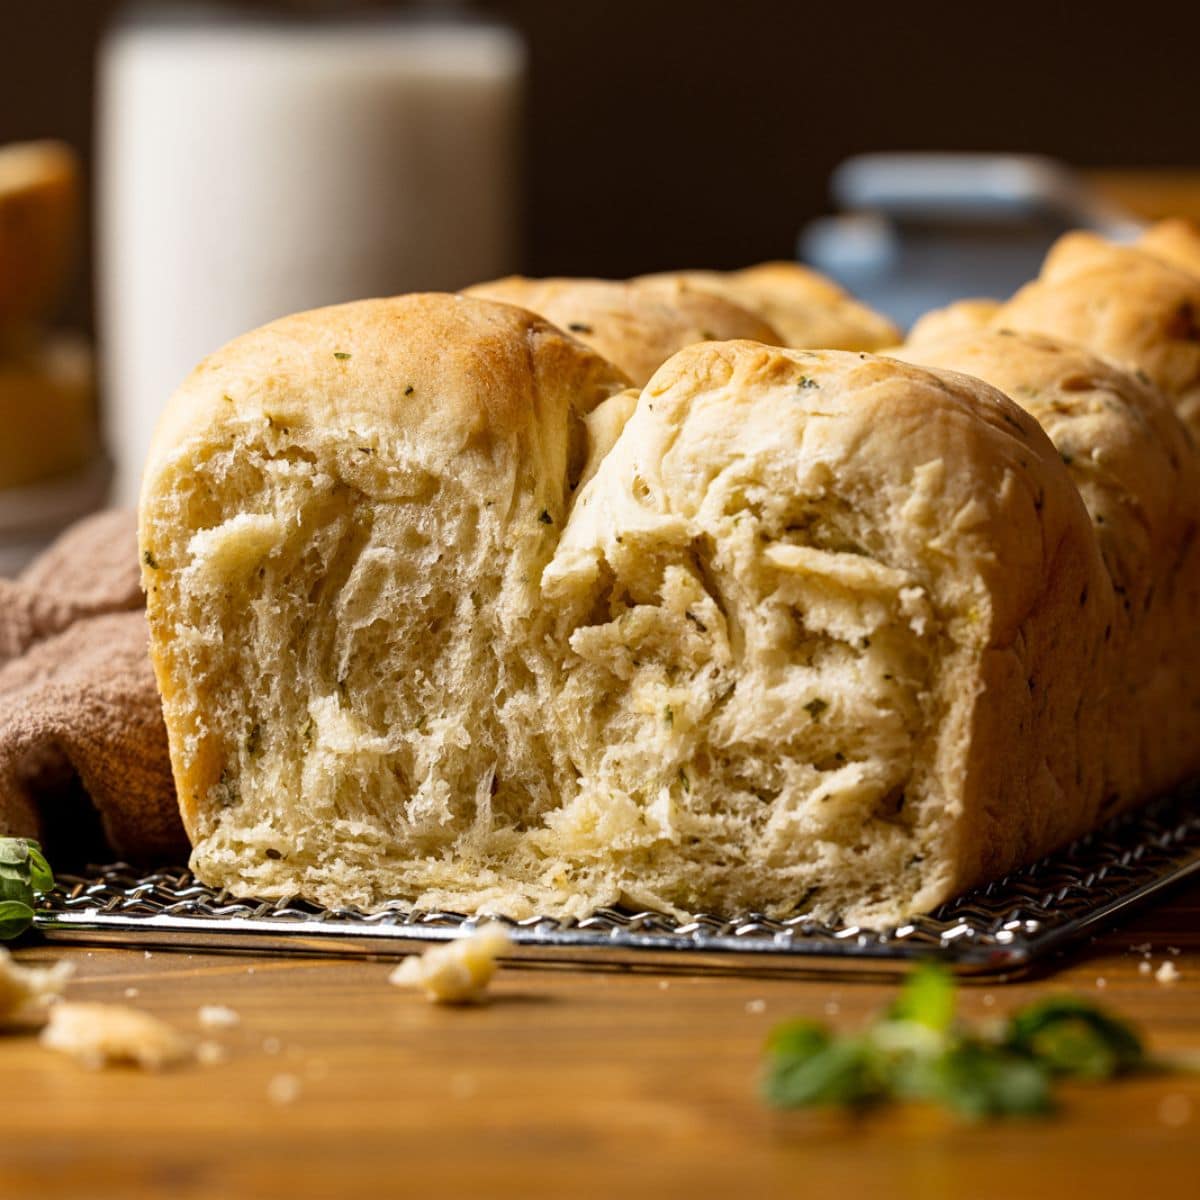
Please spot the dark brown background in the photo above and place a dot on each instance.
(663, 133)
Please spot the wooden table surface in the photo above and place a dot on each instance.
(567, 1084)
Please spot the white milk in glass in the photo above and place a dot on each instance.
(249, 169)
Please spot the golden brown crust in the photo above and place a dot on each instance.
(1175, 241)
(636, 325)
(963, 316)
(808, 310)
(1123, 304)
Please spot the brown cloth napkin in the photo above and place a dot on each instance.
(83, 750)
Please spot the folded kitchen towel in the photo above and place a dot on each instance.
(83, 750)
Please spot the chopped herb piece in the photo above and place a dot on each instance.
(806, 383)
(149, 559)
(341, 355)
(273, 853)
(545, 518)
(254, 739)
(669, 715)
(684, 780)
(579, 327)
(816, 707)
(408, 391)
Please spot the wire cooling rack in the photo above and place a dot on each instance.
(998, 930)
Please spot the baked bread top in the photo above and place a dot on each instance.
(1122, 303)
(809, 310)
(441, 369)
(637, 325)
(1176, 241)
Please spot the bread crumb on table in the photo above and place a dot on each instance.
(218, 1016)
(98, 1035)
(457, 972)
(1144, 967)
(283, 1089)
(1175, 1110)
(24, 990)
(211, 1054)
(756, 1006)
(1167, 973)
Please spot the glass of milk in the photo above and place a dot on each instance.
(250, 167)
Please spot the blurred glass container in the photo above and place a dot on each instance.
(254, 166)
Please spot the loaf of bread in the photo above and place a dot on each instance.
(809, 311)
(637, 325)
(820, 632)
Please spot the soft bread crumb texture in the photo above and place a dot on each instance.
(26, 991)
(775, 652)
(99, 1035)
(459, 971)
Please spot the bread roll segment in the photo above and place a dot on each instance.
(343, 523)
(1136, 469)
(834, 627)
(821, 632)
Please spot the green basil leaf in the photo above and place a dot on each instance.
(839, 1073)
(40, 874)
(1073, 1037)
(14, 851)
(979, 1080)
(15, 918)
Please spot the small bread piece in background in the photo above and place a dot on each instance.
(1175, 241)
(98, 1035)
(457, 972)
(23, 990)
(809, 311)
(39, 216)
(636, 325)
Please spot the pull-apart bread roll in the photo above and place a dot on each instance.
(823, 632)
(810, 311)
(1136, 470)
(344, 520)
(639, 324)
(1122, 303)
(834, 627)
